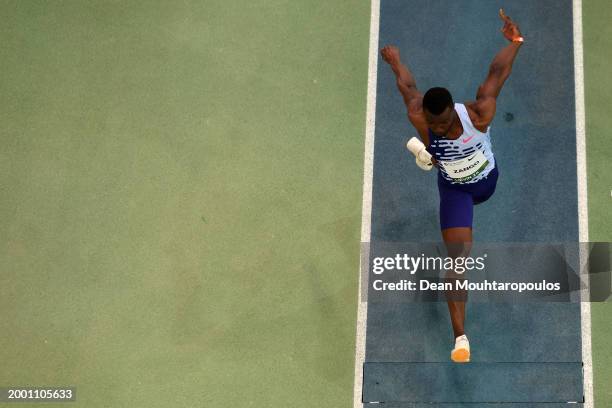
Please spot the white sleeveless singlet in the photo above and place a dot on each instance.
(466, 159)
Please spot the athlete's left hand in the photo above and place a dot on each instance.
(510, 29)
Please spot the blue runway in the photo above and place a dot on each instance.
(451, 44)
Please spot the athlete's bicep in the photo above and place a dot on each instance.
(411, 95)
(492, 85)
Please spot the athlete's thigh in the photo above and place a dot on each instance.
(456, 207)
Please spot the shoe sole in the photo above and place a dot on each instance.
(460, 355)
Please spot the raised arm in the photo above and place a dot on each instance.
(499, 71)
(407, 87)
(405, 80)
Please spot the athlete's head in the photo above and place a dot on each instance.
(439, 110)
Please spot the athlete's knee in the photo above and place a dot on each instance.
(460, 235)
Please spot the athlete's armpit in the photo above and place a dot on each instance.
(482, 112)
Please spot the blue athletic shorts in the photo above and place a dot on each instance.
(457, 200)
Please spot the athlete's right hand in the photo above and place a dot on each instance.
(423, 157)
(391, 54)
(510, 29)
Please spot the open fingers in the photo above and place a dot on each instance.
(504, 17)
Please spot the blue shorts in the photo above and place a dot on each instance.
(457, 200)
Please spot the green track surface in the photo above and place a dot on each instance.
(598, 88)
(181, 199)
(181, 195)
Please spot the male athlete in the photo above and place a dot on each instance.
(456, 140)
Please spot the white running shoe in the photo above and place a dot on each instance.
(461, 352)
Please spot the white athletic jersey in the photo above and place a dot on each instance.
(466, 159)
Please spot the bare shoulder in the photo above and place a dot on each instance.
(481, 112)
(415, 110)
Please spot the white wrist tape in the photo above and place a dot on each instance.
(423, 157)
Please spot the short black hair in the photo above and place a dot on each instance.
(436, 100)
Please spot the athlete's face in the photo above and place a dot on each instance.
(440, 124)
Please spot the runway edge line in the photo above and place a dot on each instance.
(583, 216)
(366, 212)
